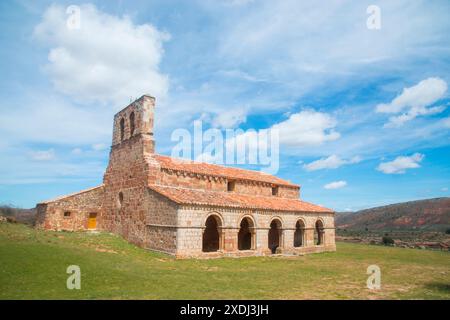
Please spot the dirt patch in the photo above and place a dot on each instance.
(105, 250)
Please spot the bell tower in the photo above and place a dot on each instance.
(130, 170)
(135, 122)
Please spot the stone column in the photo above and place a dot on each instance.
(288, 240)
(262, 239)
(329, 237)
(230, 237)
(309, 237)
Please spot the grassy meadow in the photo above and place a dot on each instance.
(33, 266)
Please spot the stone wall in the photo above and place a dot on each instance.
(161, 219)
(289, 192)
(143, 112)
(125, 197)
(196, 181)
(191, 180)
(71, 213)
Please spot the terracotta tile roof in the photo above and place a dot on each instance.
(221, 171)
(235, 200)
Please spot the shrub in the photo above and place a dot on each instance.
(11, 220)
(7, 211)
(447, 231)
(387, 241)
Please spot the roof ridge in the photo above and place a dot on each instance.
(212, 164)
(71, 194)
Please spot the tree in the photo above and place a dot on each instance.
(387, 241)
(7, 210)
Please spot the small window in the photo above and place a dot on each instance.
(231, 186)
(275, 191)
(131, 123)
(120, 200)
(122, 129)
(67, 214)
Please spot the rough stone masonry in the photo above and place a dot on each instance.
(186, 208)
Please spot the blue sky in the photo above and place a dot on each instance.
(364, 115)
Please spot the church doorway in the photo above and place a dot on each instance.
(274, 235)
(211, 234)
(245, 235)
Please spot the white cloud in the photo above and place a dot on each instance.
(229, 119)
(331, 162)
(424, 93)
(335, 185)
(416, 100)
(108, 59)
(307, 128)
(303, 129)
(77, 151)
(400, 164)
(413, 113)
(274, 64)
(444, 189)
(43, 155)
(296, 31)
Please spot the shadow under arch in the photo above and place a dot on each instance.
(299, 233)
(275, 235)
(319, 232)
(212, 233)
(246, 234)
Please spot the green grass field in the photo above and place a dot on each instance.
(33, 266)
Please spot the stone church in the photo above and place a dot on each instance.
(185, 208)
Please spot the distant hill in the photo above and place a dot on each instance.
(27, 216)
(430, 214)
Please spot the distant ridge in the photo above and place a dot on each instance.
(429, 214)
(27, 216)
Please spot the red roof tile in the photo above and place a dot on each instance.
(70, 195)
(235, 200)
(217, 170)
